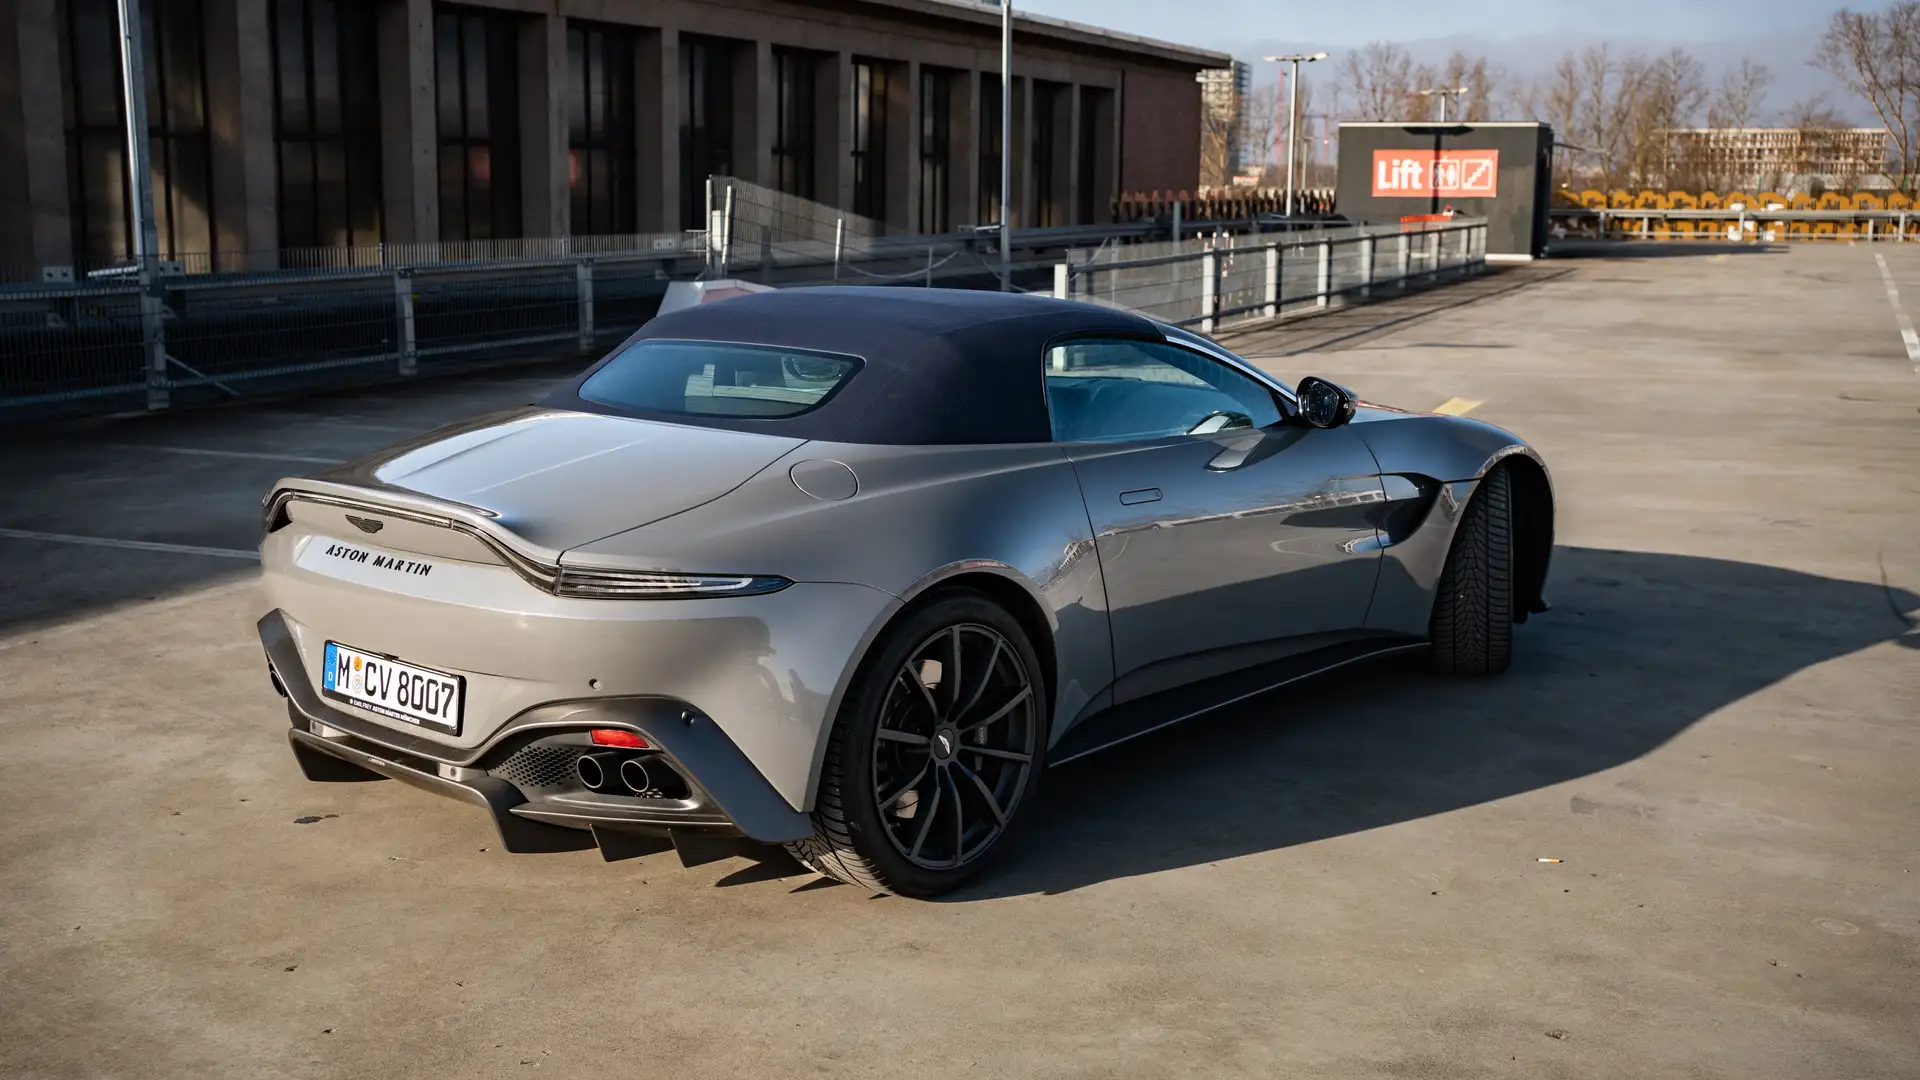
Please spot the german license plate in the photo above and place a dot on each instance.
(392, 688)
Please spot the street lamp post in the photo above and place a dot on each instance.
(1443, 93)
(1293, 109)
(1006, 145)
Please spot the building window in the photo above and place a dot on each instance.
(869, 140)
(95, 122)
(600, 126)
(477, 81)
(936, 142)
(990, 114)
(1090, 209)
(1048, 209)
(706, 122)
(327, 122)
(794, 139)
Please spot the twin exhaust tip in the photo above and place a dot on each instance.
(614, 773)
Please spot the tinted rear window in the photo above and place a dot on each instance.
(710, 378)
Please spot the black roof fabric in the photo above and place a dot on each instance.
(943, 366)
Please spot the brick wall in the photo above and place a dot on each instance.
(1160, 132)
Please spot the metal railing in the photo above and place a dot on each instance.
(1761, 224)
(1215, 282)
(116, 346)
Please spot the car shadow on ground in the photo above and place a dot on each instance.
(1639, 647)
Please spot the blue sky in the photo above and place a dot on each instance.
(1523, 37)
(1219, 23)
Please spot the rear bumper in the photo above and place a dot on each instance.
(726, 796)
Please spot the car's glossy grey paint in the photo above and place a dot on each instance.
(920, 516)
(864, 530)
(1227, 546)
(543, 475)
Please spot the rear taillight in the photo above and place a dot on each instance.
(616, 737)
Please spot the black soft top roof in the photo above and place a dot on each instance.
(942, 366)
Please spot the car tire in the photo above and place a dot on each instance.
(864, 837)
(1472, 628)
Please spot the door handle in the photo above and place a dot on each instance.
(1139, 495)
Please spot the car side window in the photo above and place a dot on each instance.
(1121, 389)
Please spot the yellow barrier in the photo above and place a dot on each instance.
(1757, 204)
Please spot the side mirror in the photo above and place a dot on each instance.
(1323, 404)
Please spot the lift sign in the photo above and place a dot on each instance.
(1442, 174)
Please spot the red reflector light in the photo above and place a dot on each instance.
(616, 737)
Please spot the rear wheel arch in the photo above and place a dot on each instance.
(849, 841)
(1002, 589)
(1010, 594)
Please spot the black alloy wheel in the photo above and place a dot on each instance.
(939, 743)
(955, 746)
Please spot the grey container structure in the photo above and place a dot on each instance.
(1502, 172)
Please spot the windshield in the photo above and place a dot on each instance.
(710, 378)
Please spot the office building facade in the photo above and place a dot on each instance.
(279, 125)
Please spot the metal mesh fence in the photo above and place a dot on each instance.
(229, 325)
(1219, 279)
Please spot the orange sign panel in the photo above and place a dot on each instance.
(1442, 174)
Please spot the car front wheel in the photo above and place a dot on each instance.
(936, 749)
(1472, 630)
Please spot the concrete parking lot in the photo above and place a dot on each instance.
(1715, 734)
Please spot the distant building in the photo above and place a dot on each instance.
(1223, 103)
(280, 128)
(1780, 159)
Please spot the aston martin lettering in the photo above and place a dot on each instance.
(379, 561)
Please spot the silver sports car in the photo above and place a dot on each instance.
(847, 569)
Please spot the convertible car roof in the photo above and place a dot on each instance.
(942, 366)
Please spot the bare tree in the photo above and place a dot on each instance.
(1740, 100)
(1820, 154)
(1877, 56)
(1266, 117)
(1378, 77)
(1607, 92)
(1217, 134)
(1481, 79)
(1671, 89)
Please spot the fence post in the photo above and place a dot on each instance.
(713, 229)
(153, 338)
(1406, 259)
(1367, 255)
(1273, 281)
(1209, 290)
(403, 316)
(1433, 256)
(1176, 226)
(1324, 291)
(1869, 230)
(1059, 278)
(839, 238)
(583, 288)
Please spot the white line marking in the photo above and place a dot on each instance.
(130, 545)
(1907, 335)
(256, 455)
